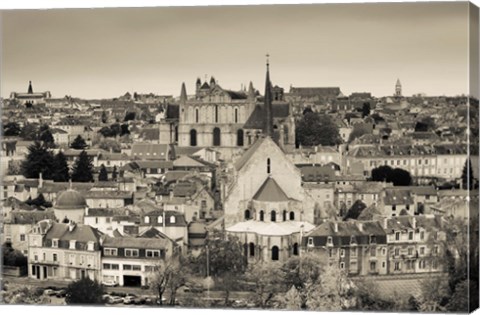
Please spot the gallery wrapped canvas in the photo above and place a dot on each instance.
(307, 157)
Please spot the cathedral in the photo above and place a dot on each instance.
(230, 120)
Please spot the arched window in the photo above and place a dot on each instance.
(295, 249)
(176, 133)
(216, 136)
(216, 113)
(273, 216)
(262, 214)
(193, 138)
(292, 215)
(172, 219)
(251, 249)
(147, 219)
(284, 215)
(236, 115)
(247, 214)
(240, 137)
(196, 115)
(159, 219)
(268, 166)
(275, 253)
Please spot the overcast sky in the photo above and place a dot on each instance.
(102, 53)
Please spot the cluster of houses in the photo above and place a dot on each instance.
(226, 160)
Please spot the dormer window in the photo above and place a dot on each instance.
(310, 241)
(55, 243)
(373, 239)
(90, 246)
(72, 244)
(353, 240)
(172, 219)
(329, 241)
(159, 219)
(146, 220)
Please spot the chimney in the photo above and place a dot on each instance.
(40, 180)
(86, 211)
(414, 222)
(385, 223)
(360, 226)
(71, 225)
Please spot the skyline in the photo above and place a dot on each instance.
(146, 50)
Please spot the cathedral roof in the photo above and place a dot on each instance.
(271, 228)
(248, 154)
(270, 191)
(205, 85)
(255, 121)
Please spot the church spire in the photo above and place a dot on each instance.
(268, 123)
(251, 91)
(183, 93)
(30, 89)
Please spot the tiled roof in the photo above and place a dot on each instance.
(395, 196)
(330, 92)
(80, 233)
(240, 162)
(109, 195)
(150, 151)
(270, 191)
(30, 217)
(136, 242)
(179, 218)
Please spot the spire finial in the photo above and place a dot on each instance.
(268, 60)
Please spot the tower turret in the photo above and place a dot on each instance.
(30, 88)
(268, 123)
(398, 88)
(183, 94)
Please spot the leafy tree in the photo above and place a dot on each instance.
(358, 131)
(425, 124)
(45, 135)
(11, 129)
(104, 117)
(39, 202)
(369, 297)
(129, 116)
(355, 210)
(84, 291)
(169, 274)
(314, 129)
(397, 176)
(83, 168)
(293, 300)
(366, 109)
(467, 176)
(79, 143)
(14, 167)
(103, 175)
(225, 254)
(23, 295)
(114, 173)
(61, 171)
(108, 144)
(267, 278)
(39, 160)
(434, 294)
(124, 130)
(12, 257)
(29, 132)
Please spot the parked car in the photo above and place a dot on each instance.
(129, 299)
(115, 300)
(49, 292)
(139, 300)
(61, 293)
(110, 283)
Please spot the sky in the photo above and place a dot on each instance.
(103, 53)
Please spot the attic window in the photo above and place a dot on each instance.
(172, 219)
(159, 219)
(147, 219)
(90, 246)
(329, 240)
(72, 244)
(55, 243)
(310, 241)
(373, 239)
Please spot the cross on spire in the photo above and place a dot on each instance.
(268, 59)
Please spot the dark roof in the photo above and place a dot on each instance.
(29, 217)
(136, 242)
(255, 121)
(316, 91)
(395, 196)
(173, 111)
(360, 230)
(236, 95)
(80, 233)
(270, 191)
(241, 161)
(179, 218)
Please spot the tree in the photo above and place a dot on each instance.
(83, 168)
(79, 143)
(103, 175)
(61, 171)
(114, 173)
(129, 116)
(169, 274)
(39, 202)
(11, 129)
(23, 295)
(425, 124)
(124, 130)
(84, 291)
(104, 117)
(12, 257)
(29, 132)
(366, 109)
(369, 297)
(110, 145)
(39, 160)
(434, 294)
(467, 176)
(397, 176)
(355, 210)
(45, 135)
(314, 129)
(267, 279)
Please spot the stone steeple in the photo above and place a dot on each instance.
(30, 88)
(268, 123)
(183, 94)
(398, 88)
